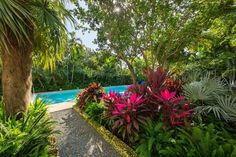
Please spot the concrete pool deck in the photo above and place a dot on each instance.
(61, 106)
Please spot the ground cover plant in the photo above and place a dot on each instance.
(169, 116)
(29, 136)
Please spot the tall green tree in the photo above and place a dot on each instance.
(215, 48)
(27, 28)
(156, 31)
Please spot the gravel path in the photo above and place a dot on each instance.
(78, 138)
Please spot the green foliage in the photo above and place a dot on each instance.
(156, 140)
(28, 136)
(214, 49)
(79, 68)
(197, 141)
(225, 108)
(94, 110)
(210, 95)
(207, 141)
(204, 91)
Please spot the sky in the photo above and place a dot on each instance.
(86, 37)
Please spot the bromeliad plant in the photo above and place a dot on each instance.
(127, 112)
(92, 93)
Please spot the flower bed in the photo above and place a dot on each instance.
(170, 115)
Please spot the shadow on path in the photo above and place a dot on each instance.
(78, 138)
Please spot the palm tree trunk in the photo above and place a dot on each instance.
(17, 78)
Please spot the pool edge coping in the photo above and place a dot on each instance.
(60, 106)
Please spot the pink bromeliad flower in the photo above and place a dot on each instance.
(167, 95)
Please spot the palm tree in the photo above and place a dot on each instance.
(27, 28)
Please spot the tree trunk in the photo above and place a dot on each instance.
(17, 77)
(72, 73)
(132, 73)
(131, 69)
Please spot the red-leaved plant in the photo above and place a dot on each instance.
(157, 78)
(161, 78)
(175, 109)
(140, 90)
(127, 112)
(92, 93)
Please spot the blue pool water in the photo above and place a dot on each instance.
(65, 96)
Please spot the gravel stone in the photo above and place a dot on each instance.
(78, 138)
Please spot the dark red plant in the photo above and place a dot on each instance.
(175, 109)
(140, 90)
(92, 93)
(157, 78)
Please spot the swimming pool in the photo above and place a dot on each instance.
(69, 95)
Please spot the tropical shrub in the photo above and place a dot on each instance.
(206, 140)
(126, 112)
(92, 93)
(204, 91)
(224, 108)
(155, 140)
(176, 110)
(28, 136)
(140, 90)
(210, 95)
(162, 78)
(94, 111)
(157, 78)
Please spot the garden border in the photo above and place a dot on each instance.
(122, 148)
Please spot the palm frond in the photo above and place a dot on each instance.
(228, 105)
(14, 21)
(50, 38)
(205, 90)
